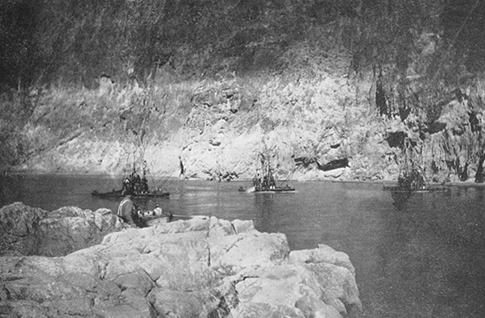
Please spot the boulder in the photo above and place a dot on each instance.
(70, 228)
(203, 267)
(283, 291)
(19, 229)
(33, 231)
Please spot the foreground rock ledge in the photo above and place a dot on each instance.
(204, 267)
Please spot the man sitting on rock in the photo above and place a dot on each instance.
(127, 210)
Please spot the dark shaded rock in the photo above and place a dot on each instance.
(304, 161)
(479, 173)
(335, 146)
(463, 172)
(334, 164)
(436, 127)
(33, 231)
(381, 100)
(404, 112)
(474, 121)
(459, 95)
(20, 229)
(396, 139)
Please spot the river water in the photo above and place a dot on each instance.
(422, 256)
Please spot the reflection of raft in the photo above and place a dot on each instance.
(116, 194)
(431, 188)
(401, 194)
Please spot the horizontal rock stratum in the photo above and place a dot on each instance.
(203, 267)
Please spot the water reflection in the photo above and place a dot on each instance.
(265, 203)
(400, 198)
(435, 252)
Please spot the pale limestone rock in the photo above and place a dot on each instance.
(322, 254)
(326, 116)
(194, 268)
(253, 250)
(220, 228)
(335, 269)
(287, 289)
(242, 226)
(335, 173)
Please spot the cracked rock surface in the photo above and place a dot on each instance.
(27, 230)
(203, 267)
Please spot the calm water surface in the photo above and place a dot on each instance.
(423, 256)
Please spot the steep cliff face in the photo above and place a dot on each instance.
(379, 85)
(218, 130)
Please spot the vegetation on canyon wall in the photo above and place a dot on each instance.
(364, 79)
